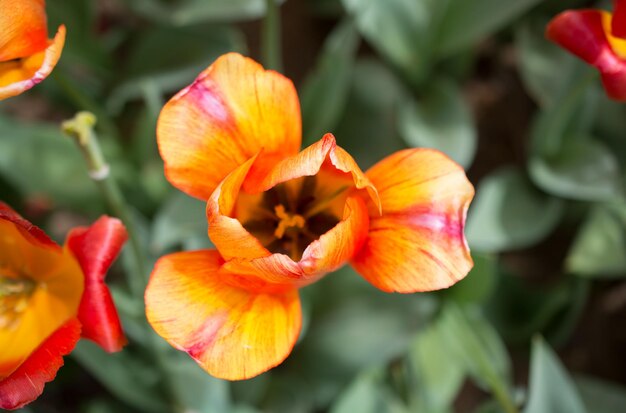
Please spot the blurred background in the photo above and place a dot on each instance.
(540, 322)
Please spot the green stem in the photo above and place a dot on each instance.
(502, 396)
(270, 36)
(81, 129)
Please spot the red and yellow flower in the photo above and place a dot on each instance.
(49, 297)
(280, 219)
(27, 56)
(599, 38)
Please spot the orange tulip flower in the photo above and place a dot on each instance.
(27, 56)
(281, 219)
(599, 38)
(48, 294)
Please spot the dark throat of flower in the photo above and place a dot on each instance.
(290, 216)
(15, 293)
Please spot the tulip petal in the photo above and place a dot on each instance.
(323, 154)
(232, 333)
(584, 33)
(618, 24)
(56, 285)
(24, 30)
(418, 243)
(33, 233)
(226, 232)
(232, 111)
(27, 382)
(581, 32)
(95, 248)
(17, 76)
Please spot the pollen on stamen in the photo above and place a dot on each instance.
(289, 216)
(287, 221)
(15, 293)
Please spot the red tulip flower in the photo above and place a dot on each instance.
(281, 219)
(27, 56)
(49, 297)
(599, 38)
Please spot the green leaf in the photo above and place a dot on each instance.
(244, 409)
(181, 218)
(520, 309)
(490, 406)
(326, 8)
(124, 376)
(474, 342)
(102, 406)
(325, 92)
(584, 169)
(478, 285)
(194, 388)
(509, 213)
(571, 115)
(398, 29)
(610, 124)
(598, 249)
(368, 394)
(542, 63)
(437, 377)
(440, 119)
(551, 390)
(367, 129)
(466, 22)
(353, 327)
(151, 70)
(601, 396)
(82, 47)
(188, 12)
(56, 169)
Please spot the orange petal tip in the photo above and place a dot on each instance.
(20, 75)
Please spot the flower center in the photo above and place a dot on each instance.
(287, 221)
(15, 292)
(288, 217)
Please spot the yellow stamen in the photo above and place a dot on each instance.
(14, 296)
(287, 221)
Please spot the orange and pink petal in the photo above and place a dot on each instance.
(23, 28)
(232, 111)
(17, 76)
(95, 248)
(417, 244)
(232, 333)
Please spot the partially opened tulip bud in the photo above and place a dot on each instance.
(599, 38)
(50, 296)
(281, 219)
(27, 56)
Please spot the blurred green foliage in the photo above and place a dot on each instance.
(391, 74)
